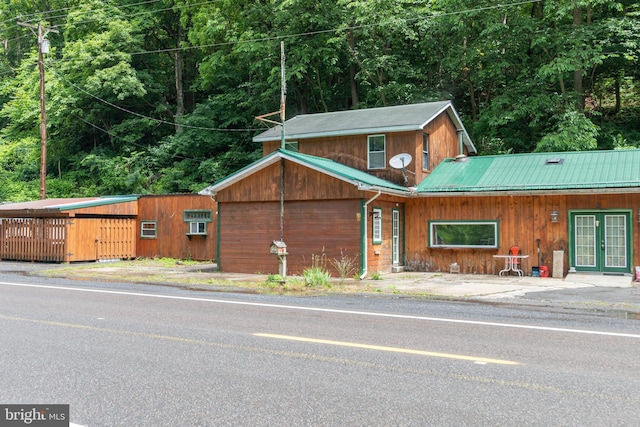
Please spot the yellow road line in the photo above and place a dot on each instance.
(390, 349)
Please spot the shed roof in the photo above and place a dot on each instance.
(64, 204)
(400, 118)
(362, 180)
(577, 170)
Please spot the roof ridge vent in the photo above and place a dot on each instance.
(554, 161)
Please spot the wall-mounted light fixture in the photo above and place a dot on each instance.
(639, 216)
(554, 215)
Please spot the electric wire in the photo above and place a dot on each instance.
(257, 40)
(309, 33)
(145, 147)
(162, 121)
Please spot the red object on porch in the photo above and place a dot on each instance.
(544, 271)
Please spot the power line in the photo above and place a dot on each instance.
(39, 15)
(129, 142)
(304, 34)
(333, 30)
(161, 121)
(263, 39)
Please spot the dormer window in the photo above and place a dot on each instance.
(377, 155)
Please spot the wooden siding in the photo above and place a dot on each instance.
(95, 239)
(443, 142)
(351, 150)
(311, 228)
(522, 220)
(116, 209)
(33, 239)
(301, 183)
(380, 255)
(172, 240)
(67, 239)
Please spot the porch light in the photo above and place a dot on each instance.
(639, 216)
(554, 215)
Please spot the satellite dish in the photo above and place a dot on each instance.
(400, 161)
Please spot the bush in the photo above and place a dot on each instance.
(317, 274)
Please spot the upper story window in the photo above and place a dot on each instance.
(425, 151)
(377, 155)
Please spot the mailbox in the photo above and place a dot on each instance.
(278, 247)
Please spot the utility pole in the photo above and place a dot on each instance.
(43, 47)
(281, 112)
(283, 99)
(283, 92)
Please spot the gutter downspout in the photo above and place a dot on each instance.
(364, 235)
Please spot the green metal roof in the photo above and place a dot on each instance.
(399, 118)
(105, 200)
(67, 204)
(536, 171)
(362, 180)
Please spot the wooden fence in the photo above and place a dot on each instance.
(33, 239)
(67, 239)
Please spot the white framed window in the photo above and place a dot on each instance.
(463, 234)
(149, 229)
(425, 151)
(197, 221)
(196, 227)
(376, 152)
(376, 226)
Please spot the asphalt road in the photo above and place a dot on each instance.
(139, 355)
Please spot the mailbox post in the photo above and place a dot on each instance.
(279, 249)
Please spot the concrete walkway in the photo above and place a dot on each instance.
(474, 285)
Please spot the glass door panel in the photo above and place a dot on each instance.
(585, 240)
(615, 241)
(395, 236)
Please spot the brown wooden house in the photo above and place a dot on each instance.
(329, 188)
(108, 228)
(579, 208)
(367, 139)
(331, 192)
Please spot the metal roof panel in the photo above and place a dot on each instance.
(362, 180)
(532, 171)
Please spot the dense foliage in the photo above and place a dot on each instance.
(160, 96)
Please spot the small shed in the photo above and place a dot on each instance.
(67, 230)
(181, 226)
